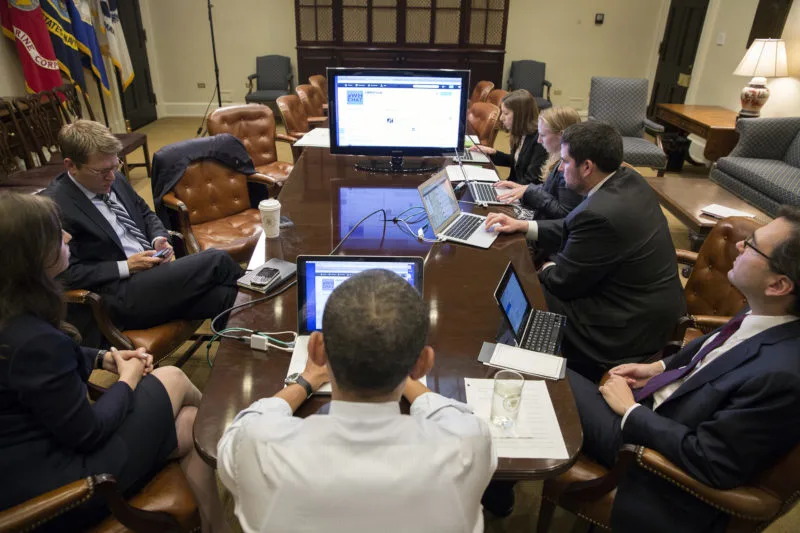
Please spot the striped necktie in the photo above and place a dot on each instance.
(126, 221)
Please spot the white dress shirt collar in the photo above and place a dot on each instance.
(362, 410)
(596, 187)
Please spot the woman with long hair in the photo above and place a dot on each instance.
(518, 115)
(553, 199)
(50, 434)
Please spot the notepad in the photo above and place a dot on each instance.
(720, 211)
(538, 364)
(318, 137)
(473, 173)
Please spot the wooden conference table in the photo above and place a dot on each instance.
(459, 284)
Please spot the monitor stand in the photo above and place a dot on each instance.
(396, 165)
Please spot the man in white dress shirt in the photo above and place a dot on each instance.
(364, 467)
(723, 409)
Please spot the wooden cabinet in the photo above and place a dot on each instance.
(455, 34)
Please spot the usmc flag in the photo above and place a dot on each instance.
(23, 22)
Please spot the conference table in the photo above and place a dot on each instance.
(459, 283)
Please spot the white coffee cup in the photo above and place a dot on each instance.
(270, 217)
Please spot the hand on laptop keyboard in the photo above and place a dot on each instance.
(508, 191)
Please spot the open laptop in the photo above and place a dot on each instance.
(446, 218)
(483, 192)
(318, 275)
(538, 331)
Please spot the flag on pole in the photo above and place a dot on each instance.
(22, 21)
(112, 39)
(80, 12)
(65, 45)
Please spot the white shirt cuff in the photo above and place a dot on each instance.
(533, 231)
(428, 404)
(625, 416)
(124, 273)
(663, 364)
(548, 265)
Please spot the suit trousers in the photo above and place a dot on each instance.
(602, 433)
(196, 286)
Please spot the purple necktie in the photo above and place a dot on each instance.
(665, 378)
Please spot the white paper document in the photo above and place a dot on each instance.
(473, 173)
(720, 211)
(536, 434)
(318, 137)
(528, 362)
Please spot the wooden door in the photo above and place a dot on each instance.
(677, 52)
(139, 99)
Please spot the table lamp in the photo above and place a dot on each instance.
(766, 58)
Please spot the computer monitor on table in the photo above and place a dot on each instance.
(397, 113)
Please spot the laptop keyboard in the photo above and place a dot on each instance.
(467, 155)
(483, 192)
(544, 334)
(464, 227)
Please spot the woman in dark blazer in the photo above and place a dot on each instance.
(50, 434)
(518, 115)
(553, 199)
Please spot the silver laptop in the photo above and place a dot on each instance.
(446, 218)
(484, 192)
(471, 157)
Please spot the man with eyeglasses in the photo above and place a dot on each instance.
(723, 409)
(119, 247)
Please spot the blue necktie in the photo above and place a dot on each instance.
(126, 221)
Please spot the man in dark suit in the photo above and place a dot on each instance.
(723, 409)
(119, 247)
(614, 273)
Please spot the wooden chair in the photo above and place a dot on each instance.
(213, 207)
(254, 125)
(313, 101)
(16, 155)
(481, 92)
(496, 97)
(482, 120)
(165, 504)
(320, 82)
(41, 121)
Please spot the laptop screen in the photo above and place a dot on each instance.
(439, 200)
(513, 302)
(318, 276)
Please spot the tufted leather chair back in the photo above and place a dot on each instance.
(312, 100)
(321, 83)
(482, 118)
(481, 91)
(708, 291)
(496, 97)
(294, 114)
(212, 191)
(253, 124)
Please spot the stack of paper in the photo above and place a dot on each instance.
(720, 211)
(528, 362)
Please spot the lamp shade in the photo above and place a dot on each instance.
(765, 58)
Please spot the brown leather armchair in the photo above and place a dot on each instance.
(496, 96)
(482, 120)
(254, 125)
(481, 92)
(213, 208)
(165, 504)
(588, 490)
(295, 119)
(314, 102)
(320, 82)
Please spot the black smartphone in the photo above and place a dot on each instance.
(265, 276)
(161, 253)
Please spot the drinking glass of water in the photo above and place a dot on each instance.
(506, 398)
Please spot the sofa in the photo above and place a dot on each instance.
(764, 167)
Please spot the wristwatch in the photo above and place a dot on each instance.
(98, 359)
(296, 378)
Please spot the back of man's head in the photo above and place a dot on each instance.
(374, 327)
(82, 138)
(786, 255)
(594, 141)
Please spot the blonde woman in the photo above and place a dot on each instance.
(553, 199)
(518, 115)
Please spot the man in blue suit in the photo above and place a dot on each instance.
(723, 409)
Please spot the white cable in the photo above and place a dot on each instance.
(263, 340)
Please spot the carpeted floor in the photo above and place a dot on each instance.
(168, 130)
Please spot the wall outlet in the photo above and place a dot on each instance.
(201, 85)
(557, 92)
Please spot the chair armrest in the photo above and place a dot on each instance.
(685, 257)
(746, 502)
(101, 317)
(263, 179)
(710, 322)
(251, 77)
(317, 121)
(191, 246)
(131, 517)
(297, 134)
(325, 108)
(596, 488)
(285, 138)
(549, 86)
(653, 126)
(43, 508)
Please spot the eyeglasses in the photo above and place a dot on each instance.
(104, 171)
(750, 243)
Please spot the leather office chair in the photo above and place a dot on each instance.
(314, 103)
(496, 96)
(588, 490)
(529, 75)
(165, 504)
(295, 120)
(254, 125)
(480, 92)
(622, 102)
(274, 78)
(321, 83)
(482, 120)
(213, 208)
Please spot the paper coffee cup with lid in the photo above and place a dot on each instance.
(270, 217)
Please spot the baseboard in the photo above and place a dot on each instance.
(188, 109)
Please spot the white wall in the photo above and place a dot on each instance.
(12, 82)
(564, 35)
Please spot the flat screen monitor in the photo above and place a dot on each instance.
(397, 112)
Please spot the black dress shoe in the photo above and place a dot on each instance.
(498, 498)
